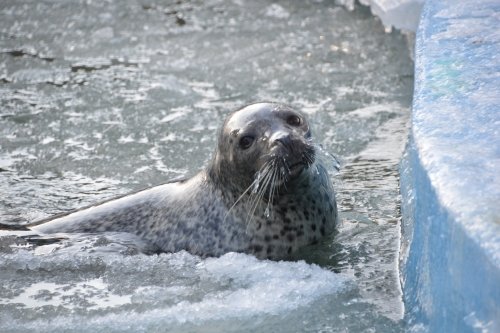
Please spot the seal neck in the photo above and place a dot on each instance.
(224, 180)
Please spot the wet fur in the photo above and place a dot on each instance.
(268, 200)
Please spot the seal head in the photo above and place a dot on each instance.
(262, 139)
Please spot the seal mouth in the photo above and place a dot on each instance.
(295, 169)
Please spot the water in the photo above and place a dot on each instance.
(103, 98)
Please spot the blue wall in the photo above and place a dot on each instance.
(450, 176)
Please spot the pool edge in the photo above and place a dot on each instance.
(450, 258)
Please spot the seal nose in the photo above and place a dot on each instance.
(281, 137)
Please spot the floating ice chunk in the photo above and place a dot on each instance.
(192, 291)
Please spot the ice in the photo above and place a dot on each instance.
(126, 95)
(450, 178)
(40, 294)
(401, 14)
(134, 292)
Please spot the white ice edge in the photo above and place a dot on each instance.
(451, 174)
(253, 288)
(400, 14)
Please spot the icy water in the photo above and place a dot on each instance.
(100, 98)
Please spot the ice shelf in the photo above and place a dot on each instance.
(401, 14)
(450, 176)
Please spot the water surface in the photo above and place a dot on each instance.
(102, 98)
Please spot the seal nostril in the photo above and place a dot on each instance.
(282, 138)
(285, 141)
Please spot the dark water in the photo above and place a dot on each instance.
(99, 98)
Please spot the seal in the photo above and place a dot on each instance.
(264, 193)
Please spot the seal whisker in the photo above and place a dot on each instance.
(269, 186)
(309, 158)
(285, 163)
(240, 197)
(272, 192)
(284, 173)
(256, 197)
(254, 186)
(239, 202)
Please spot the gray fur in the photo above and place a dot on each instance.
(268, 200)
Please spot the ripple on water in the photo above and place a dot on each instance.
(96, 104)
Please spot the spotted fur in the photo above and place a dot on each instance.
(263, 193)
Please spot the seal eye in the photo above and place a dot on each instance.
(246, 142)
(294, 120)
